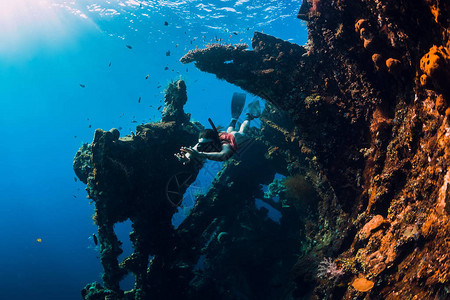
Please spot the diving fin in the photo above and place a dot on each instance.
(254, 109)
(237, 105)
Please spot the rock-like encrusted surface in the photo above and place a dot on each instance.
(134, 177)
(359, 122)
(369, 97)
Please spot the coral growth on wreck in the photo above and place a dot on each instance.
(369, 100)
(359, 120)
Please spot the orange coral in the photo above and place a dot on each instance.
(424, 81)
(362, 23)
(436, 65)
(429, 227)
(378, 61)
(368, 44)
(435, 60)
(314, 6)
(379, 121)
(362, 285)
(393, 65)
(441, 104)
(377, 222)
(435, 11)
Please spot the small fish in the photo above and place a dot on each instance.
(94, 238)
(128, 46)
(159, 107)
(39, 240)
(74, 196)
(133, 121)
(166, 23)
(166, 68)
(168, 53)
(158, 86)
(109, 64)
(74, 136)
(82, 85)
(75, 179)
(90, 126)
(235, 33)
(139, 101)
(120, 128)
(146, 77)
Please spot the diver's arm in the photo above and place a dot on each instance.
(189, 154)
(185, 156)
(223, 155)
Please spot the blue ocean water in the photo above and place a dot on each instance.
(65, 70)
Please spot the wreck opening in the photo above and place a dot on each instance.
(224, 210)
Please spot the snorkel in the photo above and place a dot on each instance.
(213, 126)
(209, 142)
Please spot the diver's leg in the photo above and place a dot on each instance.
(232, 125)
(244, 126)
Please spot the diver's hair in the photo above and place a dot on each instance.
(209, 134)
(212, 135)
